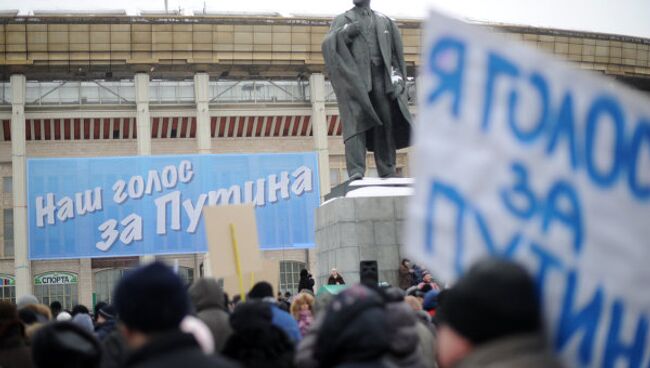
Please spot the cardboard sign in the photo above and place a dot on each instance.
(270, 273)
(520, 156)
(221, 255)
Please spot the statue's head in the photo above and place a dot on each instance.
(361, 2)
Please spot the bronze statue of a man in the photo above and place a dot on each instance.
(365, 61)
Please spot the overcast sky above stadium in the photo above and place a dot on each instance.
(625, 17)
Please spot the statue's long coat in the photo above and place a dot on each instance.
(348, 65)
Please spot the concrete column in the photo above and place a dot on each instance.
(85, 282)
(143, 122)
(143, 118)
(319, 127)
(203, 141)
(202, 98)
(22, 265)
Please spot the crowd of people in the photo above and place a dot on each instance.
(489, 318)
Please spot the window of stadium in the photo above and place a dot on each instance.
(8, 227)
(7, 288)
(57, 286)
(290, 276)
(105, 282)
(186, 274)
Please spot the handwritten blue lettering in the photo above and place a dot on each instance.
(615, 349)
(605, 105)
(563, 126)
(450, 81)
(586, 319)
(497, 65)
(541, 86)
(641, 135)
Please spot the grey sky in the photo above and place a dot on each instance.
(626, 17)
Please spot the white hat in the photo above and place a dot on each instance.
(63, 316)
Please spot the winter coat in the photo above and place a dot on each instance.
(305, 352)
(378, 363)
(418, 273)
(305, 319)
(172, 350)
(208, 299)
(286, 323)
(348, 62)
(14, 352)
(405, 277)
(103, 330)
(434, 285)
(427, 341)
(114, 350)
(256, 342)
(529, 351)
(306, 282)
(404, 350)
(338, 280)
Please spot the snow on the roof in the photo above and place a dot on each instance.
(382, 182)
(314, 15)
(59, 12)
(8, 13)
(382, 191)
(238, 13)
(152, 13)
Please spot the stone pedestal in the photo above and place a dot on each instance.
(350, 230)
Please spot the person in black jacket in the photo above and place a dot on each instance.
(335, 278)
(151, 302)
(65, 345)
(256, 342)
(306, 281)
(106, 322)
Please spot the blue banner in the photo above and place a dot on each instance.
(132, 206)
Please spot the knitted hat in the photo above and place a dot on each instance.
(25, 300)
(151, 299)
(63, 316)
(84, 321)
(496, 298)
(107, 311)
(261, 290)
(430, 300)
(354, 328)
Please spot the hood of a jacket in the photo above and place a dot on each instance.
(206, 294)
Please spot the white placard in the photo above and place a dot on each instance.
(522, 156)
